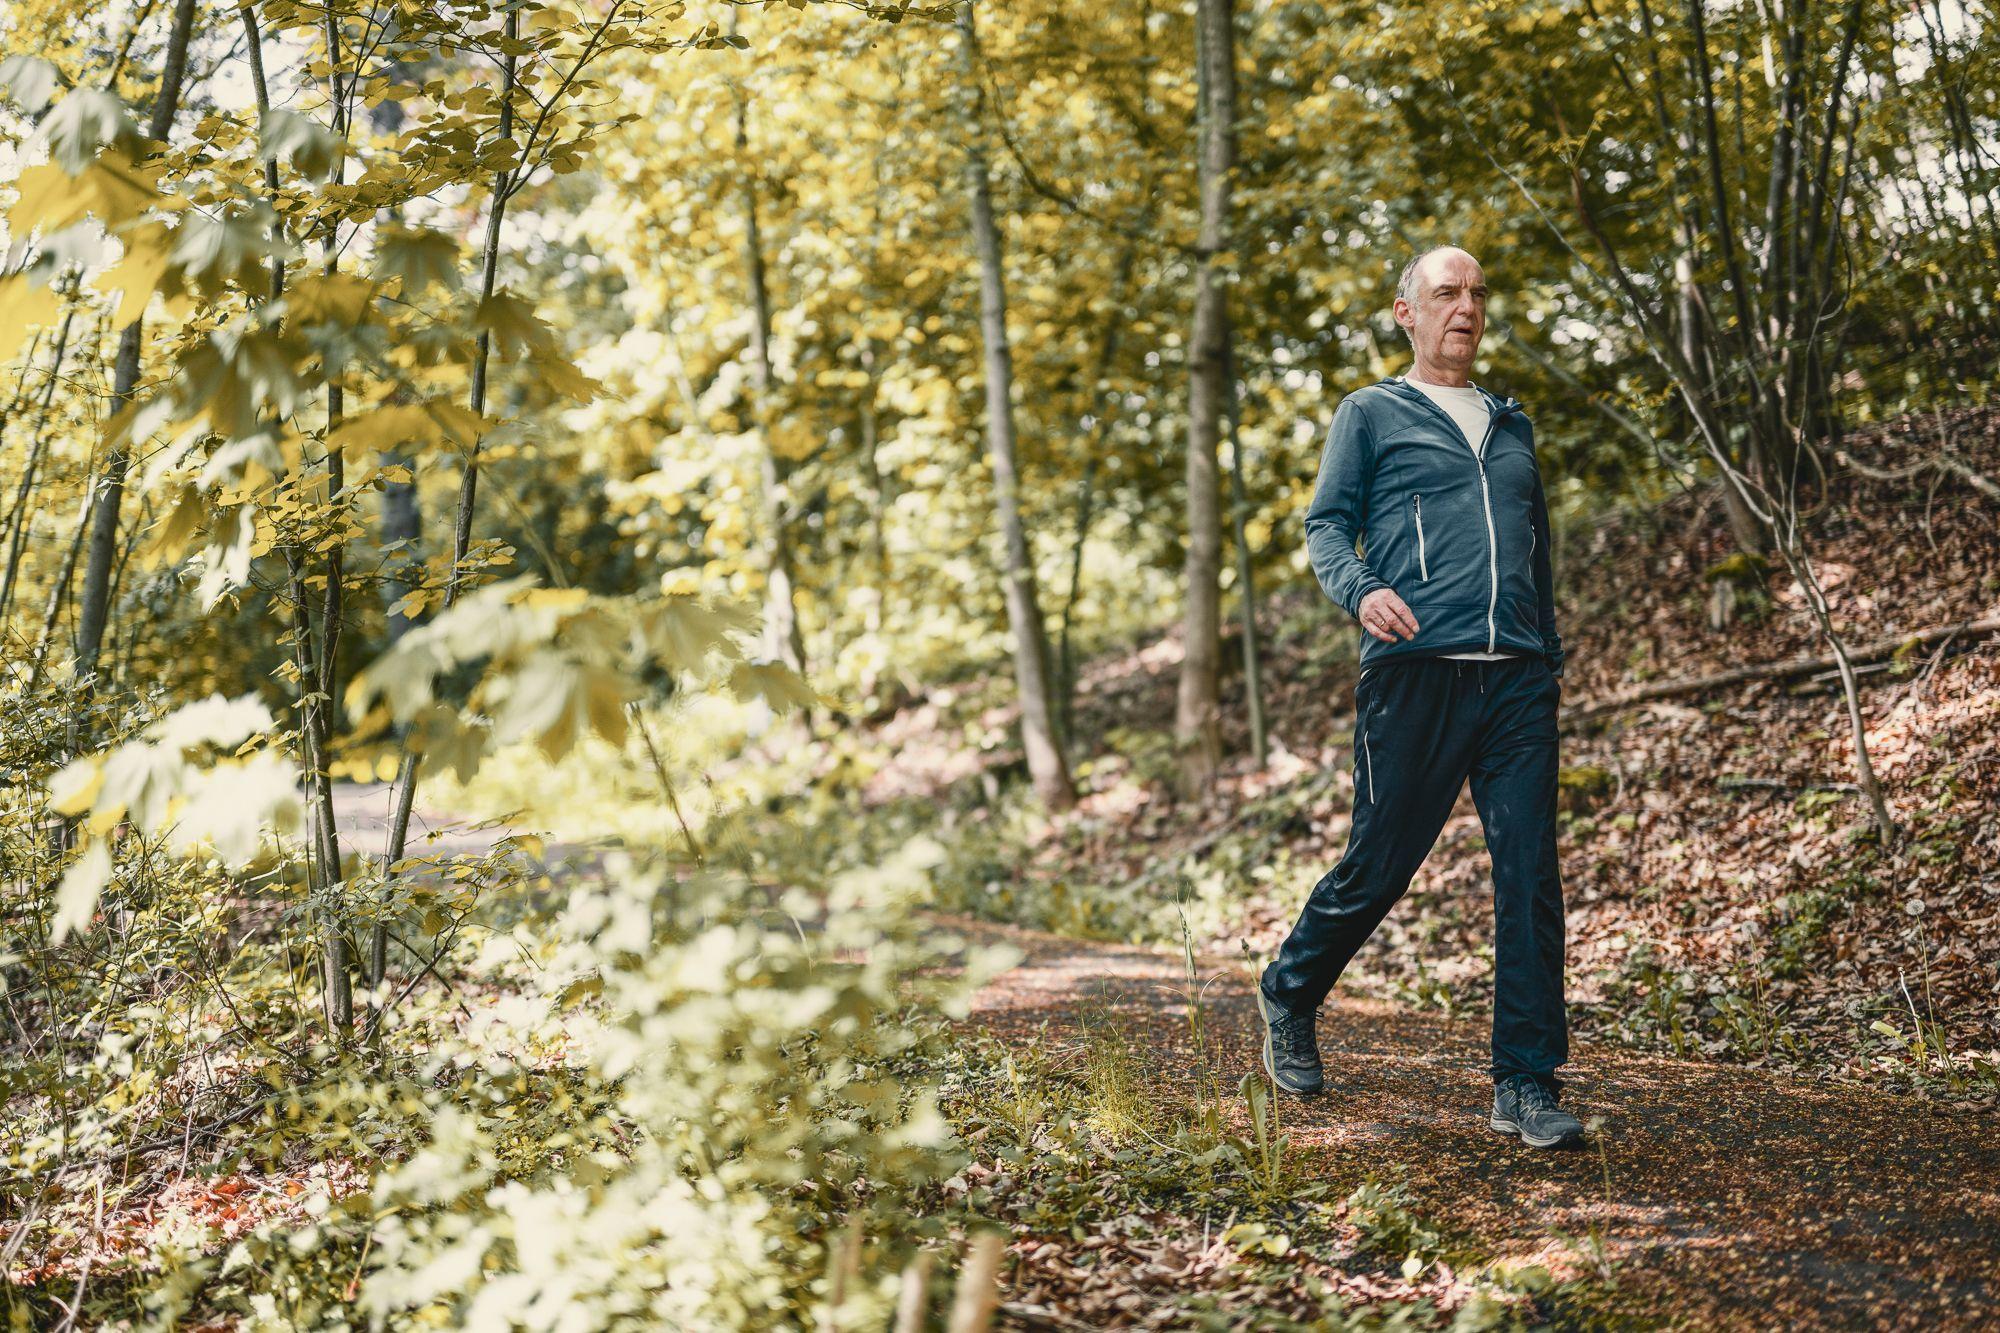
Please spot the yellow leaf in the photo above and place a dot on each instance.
(169, 538)
(680, 632)
(112, 189)
(214, 722)
(329, 298)
(72, 790)
(403, 425)
(512, 325)
(132, 281)
(230, 807)
(24, 304)
(778, 685)
(77, 894)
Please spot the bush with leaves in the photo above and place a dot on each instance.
(761, 1054)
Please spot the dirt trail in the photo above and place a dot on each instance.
(1738, 1197)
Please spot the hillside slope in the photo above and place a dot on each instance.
(1726, 894)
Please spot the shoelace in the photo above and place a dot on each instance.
(1292, 1033)
(1533, 1096)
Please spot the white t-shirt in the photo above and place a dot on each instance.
(1463, 405)
(1466, 407)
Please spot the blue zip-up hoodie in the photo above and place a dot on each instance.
(1462, 538)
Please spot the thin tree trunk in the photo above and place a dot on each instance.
(1047, 767)
(1086, 502)
(59, 591)
(95, 607)
(313, 653)
(18, 515)
(878, 506)
(1197, 716)
(783, 639)
(1101, 408)
(405, 790)
(1246, 578)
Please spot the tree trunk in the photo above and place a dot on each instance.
(95, 607)
(783, 640)
(314, 655)
(403, 796)
(1047, 767)
(19, 517)
(1197, 718)
(1246, 575)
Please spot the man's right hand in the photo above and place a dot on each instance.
(1384, 615)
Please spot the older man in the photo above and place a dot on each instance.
(1460, 672)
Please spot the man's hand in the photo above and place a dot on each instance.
(1384, 615)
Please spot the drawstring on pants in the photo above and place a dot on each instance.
(1458, 670)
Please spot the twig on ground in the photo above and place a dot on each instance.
(1790, 667)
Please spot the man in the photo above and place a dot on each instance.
(1460, 672)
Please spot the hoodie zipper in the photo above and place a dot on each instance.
(1423, 565)
(1485, 499)
(1492, 538)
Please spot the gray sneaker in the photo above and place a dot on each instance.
(1523, 1105)
(1291, 1047)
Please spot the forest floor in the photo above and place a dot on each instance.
(1788, 1035)
(1711, 1197)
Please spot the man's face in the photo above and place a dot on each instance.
(1447, 318)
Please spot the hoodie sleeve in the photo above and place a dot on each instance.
(1545, 583)
(1338, 515)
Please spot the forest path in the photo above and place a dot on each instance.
(1736, 1198)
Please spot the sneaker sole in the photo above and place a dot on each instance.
(1270, 1065)
(1509, 1127)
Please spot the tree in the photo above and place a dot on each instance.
(1047, 767)
(94, 605)
(1198, 712)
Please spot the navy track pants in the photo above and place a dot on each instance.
(1424, 725)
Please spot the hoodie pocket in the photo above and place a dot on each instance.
(1423, 559)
